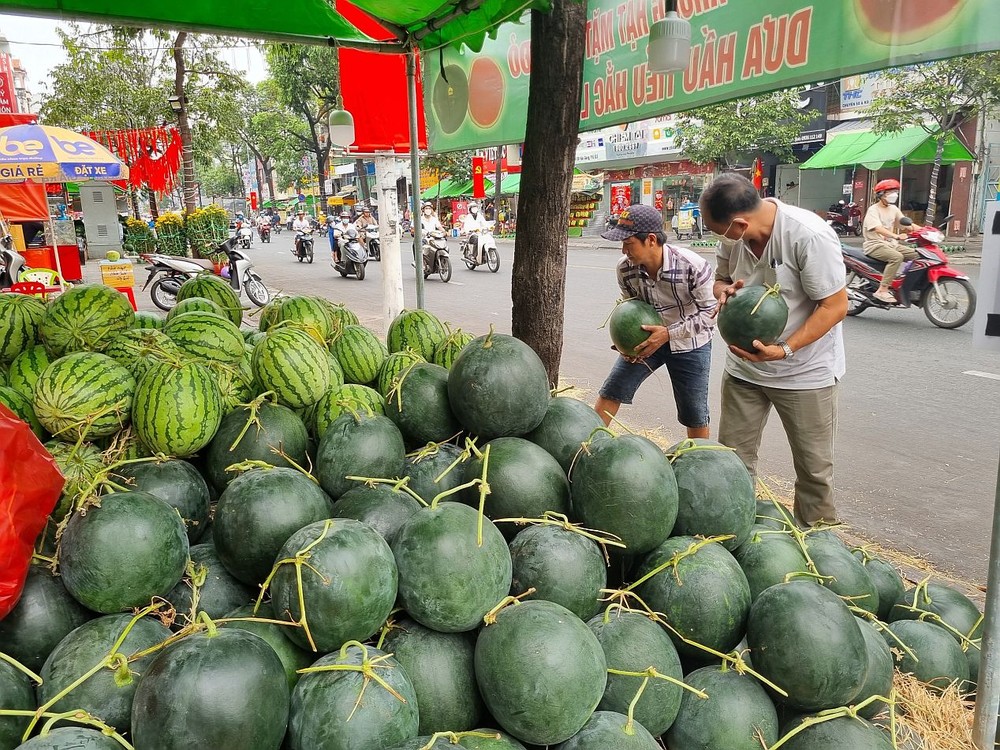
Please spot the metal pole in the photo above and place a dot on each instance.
(388, 220)
(418, 239)
(984, 725)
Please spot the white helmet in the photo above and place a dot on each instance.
(473, 208)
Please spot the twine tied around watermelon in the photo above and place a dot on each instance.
(603, 539)
(398, 485)
(367, 669)
(772, 291)
(490, 617)
(455, 737)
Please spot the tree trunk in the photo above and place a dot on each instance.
(538, 288)
(322, 171)
(183, 127)
(269, 171)
(133, 199)
(932, 190)
(363, 187)
(154, 210)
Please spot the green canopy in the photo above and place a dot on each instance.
(874, 151)
(453, 189)
(441, 189)
(511, 184)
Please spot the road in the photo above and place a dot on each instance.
(919, 429)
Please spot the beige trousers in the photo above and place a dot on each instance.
(892, 254)
(810, 421)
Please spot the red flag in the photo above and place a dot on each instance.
(478, 177)
(758, 174)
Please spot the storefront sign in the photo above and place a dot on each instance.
(858, 92)
(476, 99)
(8, 96)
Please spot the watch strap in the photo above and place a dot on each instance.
(787, 349)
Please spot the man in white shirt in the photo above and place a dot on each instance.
(473, 222)
(881, 230)
(768, 242)
(300, 224)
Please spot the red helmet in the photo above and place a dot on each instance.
(885, 185)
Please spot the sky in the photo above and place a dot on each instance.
(35, 43)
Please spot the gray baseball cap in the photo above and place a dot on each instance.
(637, 219)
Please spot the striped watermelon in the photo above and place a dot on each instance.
(85, 318)
(360, 354)
(145, 319)
(336, 371)
(3, 373)
(291, 363)
(394, 366)
(20, 319)
(137, 348)
(79, 464)
(177, 408)
(349, 397)
(342, 317)
(419, 330)
(25, 369)
(214, 288)
(269, 313)
(448, 350)
(207, 336)
(313, 313)
(236, 382)
(252, 337)
(192, 304)
(84, 395)
(22, 408)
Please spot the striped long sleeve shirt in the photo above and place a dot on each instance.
(681, 293)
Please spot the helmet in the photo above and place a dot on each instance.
(426, 205)
(473, 207)
(365, 209)
(886, 185)
(300, 212)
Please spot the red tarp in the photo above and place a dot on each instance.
(374, 89)
(22, 201)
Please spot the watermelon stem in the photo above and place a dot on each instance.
(470, 445)
(455, 737)
(772, 291)
(366, 669)
(883, 628)
(551, 518)
(688, 445)
(279, 451)
(387, 627)
(254, 418)
(646, 675)
(676, 558)
(20, 667)
(399, 485)
(838, 713)
(491, 617)
(78, 716)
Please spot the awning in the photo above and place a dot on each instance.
(875, 151)
(441, 189)
(347, 190)
(511, 184)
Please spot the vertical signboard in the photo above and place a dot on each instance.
(478, 177)
(8, 96)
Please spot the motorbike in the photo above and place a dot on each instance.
(845, 218)
(264, 230)
(277, 227)
(303, 247)
(353, 254)
(168, 272)
(485, 252)
(436, 256)
(371, 238)
(245, 237)
(947, 296)
(12, 264)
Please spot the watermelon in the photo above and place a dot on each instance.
(562, 566)
(392, 367)
(498, 387)
(626, 321)
(192, 304)
(363, 446)
(212, 690)
(433, 469)
(137, 348)
(236, 382)
(206, 587)
(106, 694)
(887, 581)
(842, 732)
(878, 678)
(381, 506)
(80, 465)
(84, 395)
(360, 354)
(175, 482)
(952, 607)
(567, 424)
(847, 576)
(312, 313)
(447, 351)
(418, 404)
(145, 320)
(214, 288)
(123, 552)
(560, 676)
(25, 369)
(16, 694)
(419, 330)
(291, 363)
(22, 408)
(606, 729)
(292, 657)
(20, 319)
(85, 317)
(346, 398)
(177, 408)
(476, 739)
(755, 313)
(71, 738)
(206, 336)
(768, 557)
(342, 317)
(934, 657)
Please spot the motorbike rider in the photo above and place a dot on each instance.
(364, 221)
(429, 222)
(339, 229)
(881, 231)
(299, 225)
(471, 223)
(263, 221)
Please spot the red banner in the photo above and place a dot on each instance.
(8, 97)
(621, 197)
(478, 177)
(757, 174)
(253, 200)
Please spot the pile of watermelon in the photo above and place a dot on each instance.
(296, 535)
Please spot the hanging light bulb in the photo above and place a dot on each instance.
(669, 46)
(341, 125)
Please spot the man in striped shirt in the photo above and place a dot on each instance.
(678, 283)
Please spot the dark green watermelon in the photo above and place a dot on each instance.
(560, 675)
(887, 580)
(212, 690)
(878, 679)
(953, 607)
(934, 656)
(292, 657)
(839, 734)
(626, 324)
(774, 516)
(756, 313)
(441, 668)
(607, 729)
(361, 445)
(207, 587)
(431, 469)
(16, 694)
(768, 557)
(176, 482)
(848, 576)
(567, 424)
(71, 738)
(380, 506)
(419, 406)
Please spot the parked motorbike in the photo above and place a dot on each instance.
(264, 230)
(371, 238)
(482, 252)
(303, 247)
(168, 272)
(245, 237)
(277, 227)
(12, 264)
(353, 254)
(946, 295)
(845, 218)
(436, 256)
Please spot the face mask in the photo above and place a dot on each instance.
(730, 240)
(891, 197)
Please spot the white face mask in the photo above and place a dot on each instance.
(891, 197)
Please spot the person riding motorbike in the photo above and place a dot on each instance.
(471, 223)
(300, 224)
(338, 232)
(881, 230)
(365, 220)
(429, 222)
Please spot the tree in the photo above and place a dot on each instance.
(308, 83)
(939, 97)
(729, 132)
(219, 180)
(455, 164)
(538, 287)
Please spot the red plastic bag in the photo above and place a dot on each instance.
(30, 485)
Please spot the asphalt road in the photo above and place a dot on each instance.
(919, 435)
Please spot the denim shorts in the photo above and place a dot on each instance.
(688, 373)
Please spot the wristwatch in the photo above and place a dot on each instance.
(786, 348)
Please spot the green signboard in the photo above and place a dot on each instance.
(738, 48)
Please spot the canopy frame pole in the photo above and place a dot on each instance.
(61, 282)
(418, 237)
(984, 725)
(900, 201)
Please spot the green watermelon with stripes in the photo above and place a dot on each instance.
(85, 318)
(419, 330)
(290, 362)
(145, 319)
(360, 354)
(84, 395)
(236, 382)
(20, 319)
(79, 465)
(313, 313)
(252, 337)
(346, 398)
(213, 288)
(25, 369)
(177, 408)
(269, 314)
(137, 348)
(206, 336)
(395, 365)
(342, 317)
(3, 373)
(192, 304)
(336, 371)
(448, 350)
(22, 409)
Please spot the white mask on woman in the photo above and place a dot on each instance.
(891, 197)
